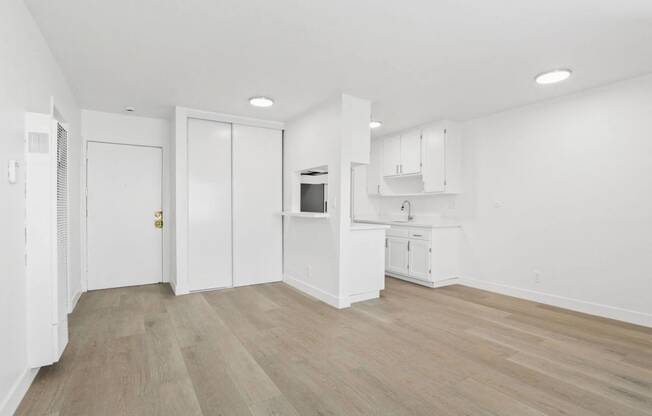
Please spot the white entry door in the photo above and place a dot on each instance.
(124, 246)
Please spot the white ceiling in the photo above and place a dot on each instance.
(417, 60)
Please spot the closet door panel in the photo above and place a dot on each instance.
(257, 203)
(209, 205)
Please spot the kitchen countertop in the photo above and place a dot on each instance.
(357, 226)
(413, 223)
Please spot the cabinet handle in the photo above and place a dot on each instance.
(408, 246)
(400, 169)
(385, 243)
(378, 189)
(417, 235)
(396, 168)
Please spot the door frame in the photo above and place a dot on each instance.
(165, 202)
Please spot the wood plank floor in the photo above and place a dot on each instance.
(270, 350)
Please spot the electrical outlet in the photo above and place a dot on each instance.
(537, 276)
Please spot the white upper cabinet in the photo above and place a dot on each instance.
(402, 154)
(391, 155)
(373, 169)
(410, 153)
(434, 157)
(419, 161)
(441, 158)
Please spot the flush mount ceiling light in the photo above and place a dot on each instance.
(552, 77)
(261, 101)
(130, 109)
(375, 124)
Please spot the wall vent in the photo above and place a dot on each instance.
(37, 142)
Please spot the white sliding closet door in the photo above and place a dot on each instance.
(209, 205)
(257, 204)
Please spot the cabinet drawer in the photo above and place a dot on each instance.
(419, 234)
(398, 232)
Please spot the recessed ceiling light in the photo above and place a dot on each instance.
(261, 101)
(130, 109)
(375, 124)
(552, 77)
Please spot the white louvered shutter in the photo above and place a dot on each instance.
(62, 202)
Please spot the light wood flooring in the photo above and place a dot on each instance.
(270, 350)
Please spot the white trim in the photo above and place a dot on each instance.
(606, 311)
(227, 118)
(361, 297)
(166, 202)
(17, 392)
(306, 214)
(315, 292)
(174, 287)
(440, 283)
(74, 300)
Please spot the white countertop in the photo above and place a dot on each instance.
(356, 226)
(305, 214)
(385, 221)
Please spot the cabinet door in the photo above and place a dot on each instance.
(410, 153)
(386, 254)
(373, 168)
(419, 259)
(434, 159)
(391, 155)
(397, 255)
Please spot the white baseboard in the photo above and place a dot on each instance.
(440, 283)
(317, 293)
(177, 289)
(638, 318)
(17, 392)
(361, 297)
(73, 302)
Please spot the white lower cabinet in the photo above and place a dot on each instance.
(422, 255)
(408, 257)
(386, 254)
(419, 259)
(397, 255)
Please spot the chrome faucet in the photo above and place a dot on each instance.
(409, 208)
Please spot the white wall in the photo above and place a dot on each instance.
(29, 76)
(565, 188)
(561, 189)
(320, 254)
(311, 246)
(134, 130)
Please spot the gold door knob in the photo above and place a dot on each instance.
(158, 219)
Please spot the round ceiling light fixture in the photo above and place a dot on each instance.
(553, 77)
(261, 101)
(374, 124)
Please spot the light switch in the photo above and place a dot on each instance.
(12, 171)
